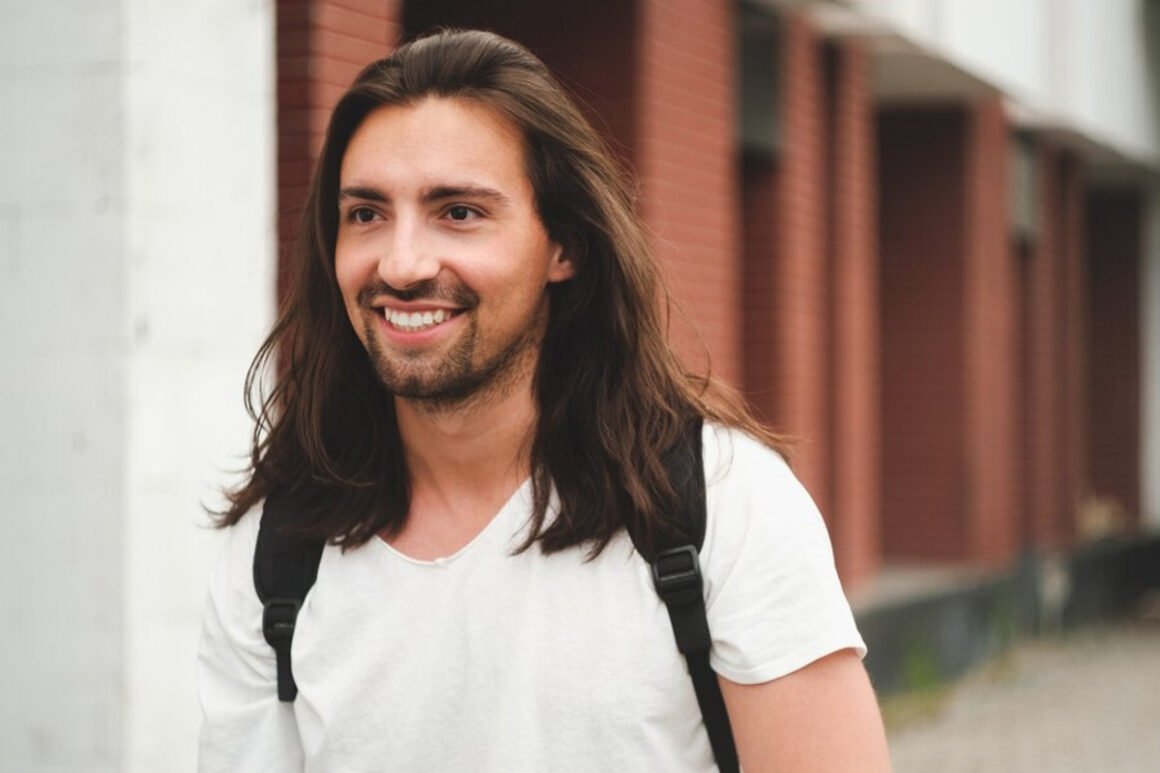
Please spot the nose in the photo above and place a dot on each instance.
(407, 257)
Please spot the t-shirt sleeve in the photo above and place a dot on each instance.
(773, 597)
(244, 725)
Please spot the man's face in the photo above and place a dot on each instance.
(441, 258)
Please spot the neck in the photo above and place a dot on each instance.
(475, 453)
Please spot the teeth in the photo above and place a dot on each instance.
(415, 321)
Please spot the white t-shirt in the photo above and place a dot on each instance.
(488, 661)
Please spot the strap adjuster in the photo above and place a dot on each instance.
(677, 575)
(278, 619)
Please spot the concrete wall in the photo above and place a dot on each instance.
(136, 249)
(63, 395)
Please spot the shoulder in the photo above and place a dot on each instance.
(742, 472)
(232, 585)
(755, 502)
(242, 536)
(772, 592)
(232, 641)
(752, 496)
(724, 445)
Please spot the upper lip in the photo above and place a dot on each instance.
(413, 306)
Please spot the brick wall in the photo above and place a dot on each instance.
(853, 270)
(922, 251)
(1115, 231)
(761, 227)
(811, 286)
(787, 284)
(990, 420)
(684, 151)
(1072, 299)
(321, 46)
(1049, 417)
(949, 359)
(1038, 396)
(589, 47)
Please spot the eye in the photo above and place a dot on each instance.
(361, 215)
(461, 213)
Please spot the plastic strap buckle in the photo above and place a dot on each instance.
(677, 575)
(278, 619)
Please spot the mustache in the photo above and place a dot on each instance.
(435, 289)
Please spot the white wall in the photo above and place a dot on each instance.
(1080, 63)
(136, 280)
(1006, 42)
(62, 397)
(1110, 93)
(200, 153)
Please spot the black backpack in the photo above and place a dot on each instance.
(286, 565)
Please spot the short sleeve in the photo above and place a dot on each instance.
(773, 597)
(244, 725)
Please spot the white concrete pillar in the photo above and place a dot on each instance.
(200, 156)
(136, 279)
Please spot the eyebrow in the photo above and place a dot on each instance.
(360, 192)
(441, 192)
(438, 193)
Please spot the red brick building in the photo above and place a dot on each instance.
(851, 262)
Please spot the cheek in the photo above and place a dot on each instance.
(349, 273)
(351, 278)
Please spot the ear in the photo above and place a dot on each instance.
(560, 266)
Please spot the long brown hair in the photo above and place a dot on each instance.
(612, 396)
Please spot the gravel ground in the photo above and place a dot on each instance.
(1084, 701)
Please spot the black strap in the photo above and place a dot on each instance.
(677, 576)
(285, 567)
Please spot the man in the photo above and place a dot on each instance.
(473, 404)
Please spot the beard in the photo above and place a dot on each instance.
(462, 375)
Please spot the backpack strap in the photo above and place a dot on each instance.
(676, 571)
(285, 567)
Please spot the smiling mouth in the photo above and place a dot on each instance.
(417, 321)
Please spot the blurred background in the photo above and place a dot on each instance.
(922, 236)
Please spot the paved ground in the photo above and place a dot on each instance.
(1086, 701)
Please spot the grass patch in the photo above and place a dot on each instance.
(907, 709)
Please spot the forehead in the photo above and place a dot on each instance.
(434, 141)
